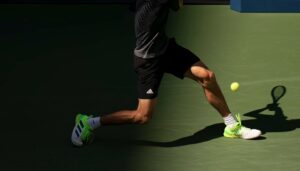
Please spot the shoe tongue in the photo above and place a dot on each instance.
(233, 126)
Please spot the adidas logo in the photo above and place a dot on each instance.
(150, 91)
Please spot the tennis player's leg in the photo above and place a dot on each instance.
(183, 63)
(149, 78)
(84, 125)
(141, 115)
(207, 79)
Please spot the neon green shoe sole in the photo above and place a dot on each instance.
(229, 135)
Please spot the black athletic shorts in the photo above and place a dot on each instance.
(176, 60)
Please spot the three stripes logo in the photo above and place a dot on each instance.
(150, 91)
(79, 129)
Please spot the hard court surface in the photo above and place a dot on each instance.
(57, 61)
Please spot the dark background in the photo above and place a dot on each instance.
(106, 1)
(58, 60)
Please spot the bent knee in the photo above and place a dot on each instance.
(209, 75)
(203, 75)
(142, 117)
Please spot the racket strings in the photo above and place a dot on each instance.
(278, 92)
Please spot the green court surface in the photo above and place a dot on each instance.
(60, 60)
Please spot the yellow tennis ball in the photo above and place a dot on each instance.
(234, 86)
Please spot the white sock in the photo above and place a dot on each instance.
(229, 120)
(94, 122)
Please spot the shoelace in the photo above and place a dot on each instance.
(239, 125)
(238, 117)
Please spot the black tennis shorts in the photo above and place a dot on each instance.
(176, 60)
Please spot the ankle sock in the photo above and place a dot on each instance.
(229, 120)
(94, 122)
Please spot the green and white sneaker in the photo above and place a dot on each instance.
(239, 131)
(82, 132)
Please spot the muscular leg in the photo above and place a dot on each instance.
(141, 115)
(200, 73)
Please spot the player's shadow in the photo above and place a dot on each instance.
(267, 123)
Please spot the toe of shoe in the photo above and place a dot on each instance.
(254, 133)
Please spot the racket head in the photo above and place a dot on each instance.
(277, 93)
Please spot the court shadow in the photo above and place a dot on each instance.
(277, 122)
(206, 134)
